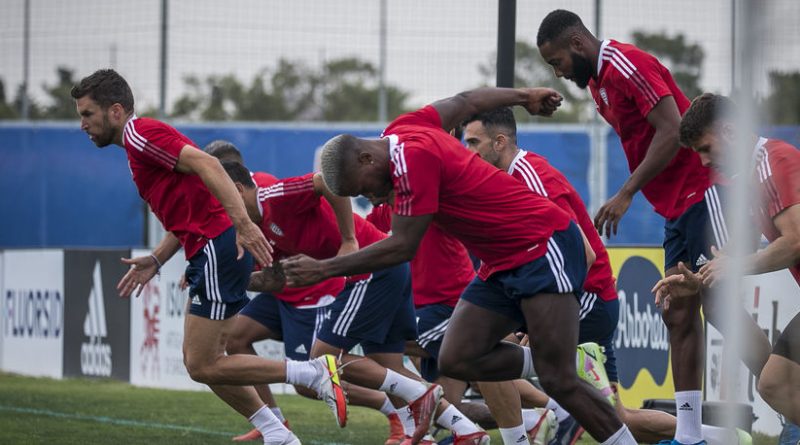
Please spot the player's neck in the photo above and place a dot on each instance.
(508, 157)
(593, 49)
(119, 131)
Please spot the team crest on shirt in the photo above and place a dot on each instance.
(275, 229)
(604, 95)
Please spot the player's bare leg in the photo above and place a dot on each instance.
(504, 402)
(780, 379)
(244, 333)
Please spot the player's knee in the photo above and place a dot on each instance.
(679, 320)
(451, 366)
(200, 370)
(558, 384)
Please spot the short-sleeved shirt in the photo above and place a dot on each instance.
(491, 213)
(778, 173)
(629, 84)
(295, 220)
(542, 178)
(441, 268)
(182, 202)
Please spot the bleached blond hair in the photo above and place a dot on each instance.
(336, 153)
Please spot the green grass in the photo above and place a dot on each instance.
(76, 411)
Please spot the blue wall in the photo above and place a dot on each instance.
(59, 190)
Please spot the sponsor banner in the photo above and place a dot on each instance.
(773, 299)
(96, 319)
(32, 305)
(156, 341)
(642, 340)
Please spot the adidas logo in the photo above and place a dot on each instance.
(701, 260)
(301, 349)
(522, 439)
(392, 387)
(455, 419)
(96, 354)
(686, 407)
(196, 300)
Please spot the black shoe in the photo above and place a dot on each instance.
(569, 431)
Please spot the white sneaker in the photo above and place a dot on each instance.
(329, 388)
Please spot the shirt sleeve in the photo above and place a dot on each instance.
(641, 80)
(783, 187)
(425, 116)
(157, 142)
(293, 195)
(416, 176)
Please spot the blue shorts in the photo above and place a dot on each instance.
(689, 237)
(561, 270)
(432, 321)
(296, 327)
(217, 280)
(376, 312)
(598, 323)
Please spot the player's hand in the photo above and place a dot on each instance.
(182, 283)
(710, 272)
(249, 236)
(271, 279)
(542, 101)
(607, 218)
(302, 270)
(681, 285)
(142, 270)
(347, 247)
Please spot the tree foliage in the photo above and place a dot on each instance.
(783, 102)
(684, 59)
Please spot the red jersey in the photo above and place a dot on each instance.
(491, 213)
(778, 173)
(440, 270)
(296, 220)
(306, 296)
(542, 178)
(182, 202)
(630, 82)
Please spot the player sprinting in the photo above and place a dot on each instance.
(638, 97)
(709, 128)
(534, 257)
(198, 205)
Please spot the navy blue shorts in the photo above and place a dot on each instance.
(561, 270)
(296, 327)
(432, 321)
(217, 280)
(598, 323)
(689, 237)
(376, 312)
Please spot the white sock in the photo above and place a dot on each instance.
(527, 363)
(530, 417)
(401, 386)
(277, 411)
(621, 437)
(514, 436)
(387, 407)
(302, 373)
(407, 419)
(452, 419)
(689, 405)
(715, 435)
(553, 406)
(271, 429)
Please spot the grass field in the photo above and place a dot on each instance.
(74, 411)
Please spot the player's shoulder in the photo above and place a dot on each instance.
(426, 116)
(263, 179)
(624, 58)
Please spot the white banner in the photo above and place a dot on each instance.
(773, 299)
(33, 312)
(157, 333)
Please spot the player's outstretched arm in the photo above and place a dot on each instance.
(456, 109)
(784, 251)
(344, 214)
(666, 119)
(407, 232)
(248, 235)
(144, 268)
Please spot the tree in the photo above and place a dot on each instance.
(6, 110)
(62, 105)
(783, 103)
(350, 92)
(684, 59)
(530, 70)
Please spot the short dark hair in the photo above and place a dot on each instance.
(239, 173)
(106, 87)
(555, 24)
(224, 151)
(501, 119)
(704, 111)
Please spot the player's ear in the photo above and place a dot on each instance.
(576, 42)
(365, 158)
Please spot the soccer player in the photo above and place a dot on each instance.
(290, 316)
(374, 310)
(639, 98)
(197, 203)
(709, 128)
(493, 136)
(534, 258)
